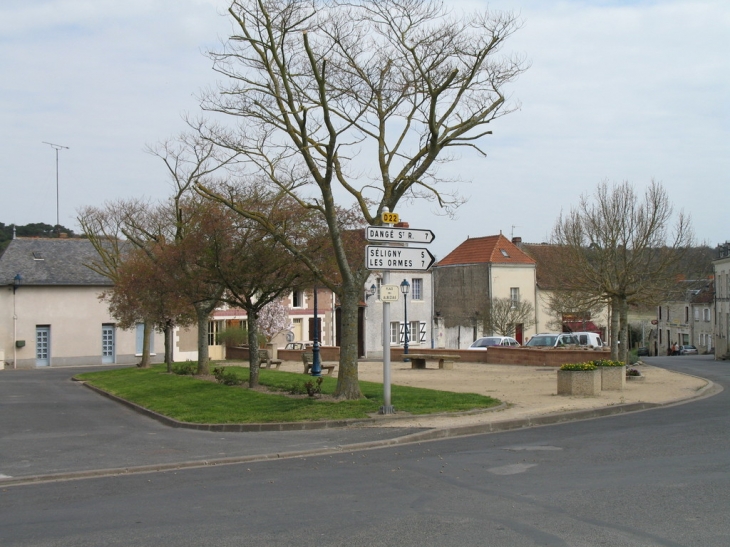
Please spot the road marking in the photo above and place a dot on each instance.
(512, 469)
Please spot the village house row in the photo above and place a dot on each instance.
(51, 314)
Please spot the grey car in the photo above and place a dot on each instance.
(688, 350)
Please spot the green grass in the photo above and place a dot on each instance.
(189, 399)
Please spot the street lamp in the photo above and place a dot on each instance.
(371, 291)
(316, 360)
(404, 288)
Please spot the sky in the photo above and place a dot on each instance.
(616, 91)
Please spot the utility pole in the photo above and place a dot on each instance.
(57, 147)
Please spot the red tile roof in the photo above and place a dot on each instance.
(488, 250)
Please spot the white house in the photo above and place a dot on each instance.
(50, 312)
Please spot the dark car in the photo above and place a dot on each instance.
(642, 352)
(688, 350)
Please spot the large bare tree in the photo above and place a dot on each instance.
(346, 104)
(623, 249)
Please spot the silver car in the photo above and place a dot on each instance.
(487, 341)
(688, 350)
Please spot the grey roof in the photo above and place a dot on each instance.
(50, 262)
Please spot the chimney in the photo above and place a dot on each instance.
(517, 241)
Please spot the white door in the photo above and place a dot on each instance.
(107, 344)
(42, 346)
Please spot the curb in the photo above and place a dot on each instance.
(709, 390)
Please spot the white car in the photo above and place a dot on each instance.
(552, 340)
(486, 341)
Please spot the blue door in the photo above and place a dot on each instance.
(42, 346)
(107, 344)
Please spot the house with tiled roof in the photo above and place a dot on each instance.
(467, 281)
(50, 311)
(559, 313)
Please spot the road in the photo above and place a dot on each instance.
(653, 478)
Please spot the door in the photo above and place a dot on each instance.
(42, 346)
(519, 332)
(107, 344)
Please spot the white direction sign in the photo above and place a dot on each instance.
(383, 257)
(399, 235)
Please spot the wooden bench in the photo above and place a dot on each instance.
(418, 360)
(308, 358)
(265, 361)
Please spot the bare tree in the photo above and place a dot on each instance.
(320, 87)
(504, 314)
(623, 250)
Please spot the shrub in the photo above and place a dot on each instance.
(233, 337)
(313, 389)
(632, 372)
(226, 377)
(578, 366)
(608, 363)
(186, 368)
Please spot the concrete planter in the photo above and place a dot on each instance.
(613, 378)
(579, 382)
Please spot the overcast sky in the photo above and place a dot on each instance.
(617, 90)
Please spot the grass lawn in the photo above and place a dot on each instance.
(190, 399)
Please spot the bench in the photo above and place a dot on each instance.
(265, 361)
(308, 358)
(418, 360)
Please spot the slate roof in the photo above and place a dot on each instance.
(42, 262)
(486, 250)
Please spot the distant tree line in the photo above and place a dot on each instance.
(35, 229)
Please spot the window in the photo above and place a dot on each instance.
(697, 314)
(394, 333)
(213, 332)
(504, 253)
(417, 288)
(706, 314)
(660, 313)
(686, 314)
(378, 284)
(514, 296)
(297, 299)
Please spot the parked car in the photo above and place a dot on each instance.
(589, 339)
(642, 352)
(548, 340)
(487, 341)
(688, 350)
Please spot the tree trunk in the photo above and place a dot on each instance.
(348, 386)
(253, 348)
(202, 312)
(146, 335)
(624, 346)
(168, 345)
(615, 316)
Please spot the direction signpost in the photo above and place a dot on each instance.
(386, 257)
(400, 235)
(394, 257)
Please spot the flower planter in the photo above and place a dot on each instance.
(579, 382)
(613, 378)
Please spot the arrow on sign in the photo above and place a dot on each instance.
(383, 257)
(400, 235)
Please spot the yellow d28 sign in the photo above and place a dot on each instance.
(390, 218)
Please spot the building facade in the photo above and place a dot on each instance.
(721, 268)
(50, 309)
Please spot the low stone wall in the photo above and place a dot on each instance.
(548, 357)
(326, 353)
(465, 355)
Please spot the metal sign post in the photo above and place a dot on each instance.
(386, 258)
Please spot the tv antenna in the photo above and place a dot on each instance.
(513, 231)
(57, 147)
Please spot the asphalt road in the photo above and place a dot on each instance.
(657, 477)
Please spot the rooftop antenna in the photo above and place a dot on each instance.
(513, 231)
(57, 147)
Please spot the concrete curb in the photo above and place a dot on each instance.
(708, 390)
